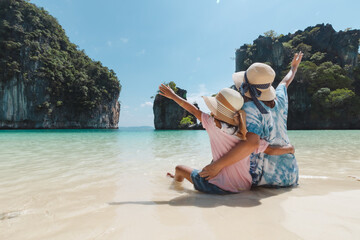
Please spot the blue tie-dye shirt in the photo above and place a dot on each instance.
(268, 170)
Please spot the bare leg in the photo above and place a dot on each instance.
(181, 172)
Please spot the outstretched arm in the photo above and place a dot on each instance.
(294, 66)
(278, 150)
(237, 153)
(166, 91)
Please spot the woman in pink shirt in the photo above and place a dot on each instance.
(226, 127)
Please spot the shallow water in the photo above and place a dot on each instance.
(329, 153)
(33, 154)
(58, 178)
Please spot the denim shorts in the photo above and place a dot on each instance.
(203, 185)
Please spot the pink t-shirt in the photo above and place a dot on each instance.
(236, 177)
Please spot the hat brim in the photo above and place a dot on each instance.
(212, 104)
(266, 95)
(238, 79)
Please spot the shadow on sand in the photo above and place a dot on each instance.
(307, 187)
(193, 198)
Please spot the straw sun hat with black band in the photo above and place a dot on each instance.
(256, 82)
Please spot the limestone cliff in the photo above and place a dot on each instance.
(325, 93)
(168, 115)
(45, 81)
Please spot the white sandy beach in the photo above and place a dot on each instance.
(317, 209)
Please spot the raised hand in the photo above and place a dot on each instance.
(166, 91)
(294, 66)
(296, 60)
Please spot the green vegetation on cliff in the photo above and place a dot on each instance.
(33, 47)
(326, 88)
(187, 121)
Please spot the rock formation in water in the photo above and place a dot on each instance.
(325, 93)
(45, 81)
(169, 115)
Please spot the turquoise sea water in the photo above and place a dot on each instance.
(62, 158)
(32, 152)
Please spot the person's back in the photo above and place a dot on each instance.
(280, 170)
(236, 177)
(273, 108)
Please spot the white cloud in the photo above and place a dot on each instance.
(124, 40)
(147, 104)
(198, 59)
(109, 43)
(217, 1)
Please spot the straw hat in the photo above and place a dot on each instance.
(257, 74)
(225, 105)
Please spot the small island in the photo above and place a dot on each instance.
(45, 80)
(168, 115)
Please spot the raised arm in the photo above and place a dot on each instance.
(237, 153)
(166, 91)
(280, 150)
(294, 66)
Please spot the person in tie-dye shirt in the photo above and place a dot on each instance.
(266, 118)
(281, 170)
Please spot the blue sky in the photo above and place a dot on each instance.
(190, 42)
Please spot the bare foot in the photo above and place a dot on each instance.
(170, 175)
(355, 178)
